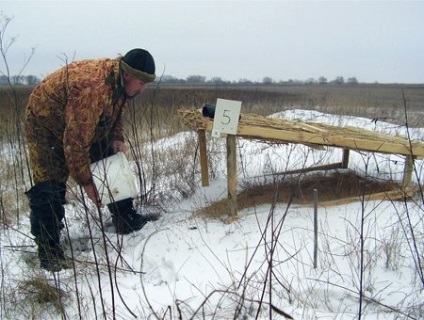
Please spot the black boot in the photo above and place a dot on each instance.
(125, 218)
(50, 254)
(46, 201)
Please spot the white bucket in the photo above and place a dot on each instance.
(114, 179)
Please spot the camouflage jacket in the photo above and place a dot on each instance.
(80, 104)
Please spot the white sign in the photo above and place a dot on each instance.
(226, 119)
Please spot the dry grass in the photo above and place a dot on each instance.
(157, 108)
(39, 290)
(384, 101)
(338, 185)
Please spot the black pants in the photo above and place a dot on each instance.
(46, 200)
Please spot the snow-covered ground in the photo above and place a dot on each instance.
(261, 265)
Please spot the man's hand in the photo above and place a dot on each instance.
(119, 146)
(93, 194)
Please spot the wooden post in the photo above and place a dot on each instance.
(407, 171)
(232, 174)
(345, 159)
(203, 158)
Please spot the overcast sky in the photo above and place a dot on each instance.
(379, 41)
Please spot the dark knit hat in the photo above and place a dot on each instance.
(140, 64)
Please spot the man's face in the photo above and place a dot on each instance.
(133, 86)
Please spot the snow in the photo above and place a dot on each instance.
(188, 267)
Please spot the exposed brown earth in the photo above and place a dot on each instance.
(330, 187)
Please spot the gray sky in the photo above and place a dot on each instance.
(371, 40)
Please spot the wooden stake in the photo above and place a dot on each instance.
(203, 158)
(345, 160)
(407, 171)
(232, 174)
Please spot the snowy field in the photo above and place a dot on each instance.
(259, 267)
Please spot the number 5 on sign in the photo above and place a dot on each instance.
(227, 114)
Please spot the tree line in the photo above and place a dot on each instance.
(19, 80)
(167, 79)
(266, 80)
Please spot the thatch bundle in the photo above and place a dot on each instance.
(252, 126)
(195, 120)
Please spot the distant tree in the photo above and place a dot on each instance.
(352, 80)
(245, 81)
(4, 79)
(196, 79)
(310, 81)
(18, 79)
(217, 80)
(31, 80)
(168, 79)
(296, 81)
(322, 80)
(339, 80)
(267, 80)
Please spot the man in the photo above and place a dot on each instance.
(73, 118)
